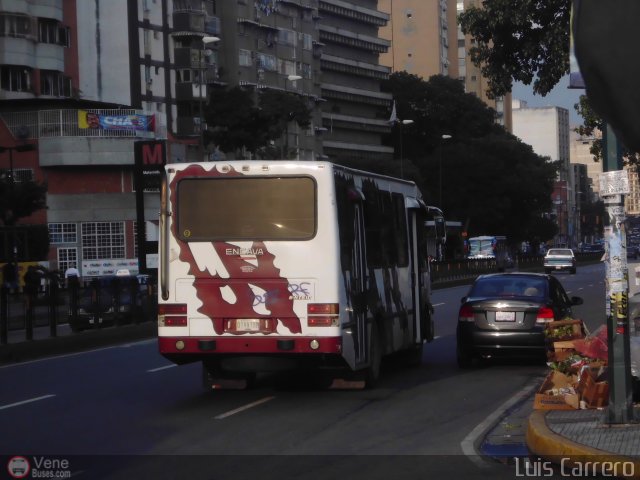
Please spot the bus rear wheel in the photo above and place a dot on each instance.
(372, 372)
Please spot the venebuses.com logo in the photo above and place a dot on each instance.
(19, 466)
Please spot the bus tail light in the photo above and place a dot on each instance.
(172, 315)
(545, 315)
(323, 314)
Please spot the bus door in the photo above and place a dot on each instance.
(359, 286)
(420, 276)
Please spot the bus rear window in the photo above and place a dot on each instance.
(240, 208)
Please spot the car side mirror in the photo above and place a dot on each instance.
(577, 301)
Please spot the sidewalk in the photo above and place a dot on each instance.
(586, 435)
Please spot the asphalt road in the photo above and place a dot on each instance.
(125, 412)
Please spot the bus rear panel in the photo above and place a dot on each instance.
(263, 267)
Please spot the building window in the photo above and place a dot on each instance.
(54, 84)
(244, 58)
(15, 78)
(63, 233)
(266, 62)
(287, 37)
(305, 70)
(287, 67)
(307, 41)
(12, 25)
(50, 31)
(103, 240)
(67, 257)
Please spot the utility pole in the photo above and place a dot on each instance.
(614, 184)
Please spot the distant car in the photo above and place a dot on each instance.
(505, 314)
(559, 259)
(108, 300)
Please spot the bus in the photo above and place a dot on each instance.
(291, 266)
(492, 247)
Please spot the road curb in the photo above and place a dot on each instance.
(542, 441)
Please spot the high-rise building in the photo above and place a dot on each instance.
(546, 129)
(356, 112)
(423, 37)
(426, 40)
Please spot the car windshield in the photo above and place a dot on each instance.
(561, 251)
(509, 286)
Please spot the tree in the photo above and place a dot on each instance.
(20, 199)
(519, 40)
(235, 122)
(592, 122)
(489, 177)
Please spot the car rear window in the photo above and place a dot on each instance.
(509, 287)
(561, 251)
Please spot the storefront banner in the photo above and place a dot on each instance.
(141, 123)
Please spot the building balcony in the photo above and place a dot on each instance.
(62, 141)
(355, 95)
(354, 67)
(193, 58)
(189, 21)
(350, 122)
(348, 38)
(354, 12)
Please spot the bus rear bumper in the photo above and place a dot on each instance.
(204, 346)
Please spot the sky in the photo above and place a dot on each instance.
(560, 96)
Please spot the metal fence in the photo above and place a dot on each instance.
(99, 303)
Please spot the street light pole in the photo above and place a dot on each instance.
(401, 123)
(443, 137)
(202, 69)
(289, 78)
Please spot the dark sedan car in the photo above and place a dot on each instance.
(505, 314)
(109, 300)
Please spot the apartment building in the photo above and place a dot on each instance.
(426, 40)
(355, 112)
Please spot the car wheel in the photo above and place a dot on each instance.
(465, 360)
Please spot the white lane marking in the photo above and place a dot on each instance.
(153, 370)
(437, 304)
(17, 404)
(243, 408)
(469, 442)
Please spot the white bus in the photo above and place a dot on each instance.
(288, 265)
(490, 247)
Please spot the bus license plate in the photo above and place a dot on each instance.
(505, 316)
(248, 324)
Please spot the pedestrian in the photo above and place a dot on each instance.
(32, 281)
(10, 276)
(72, 275)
